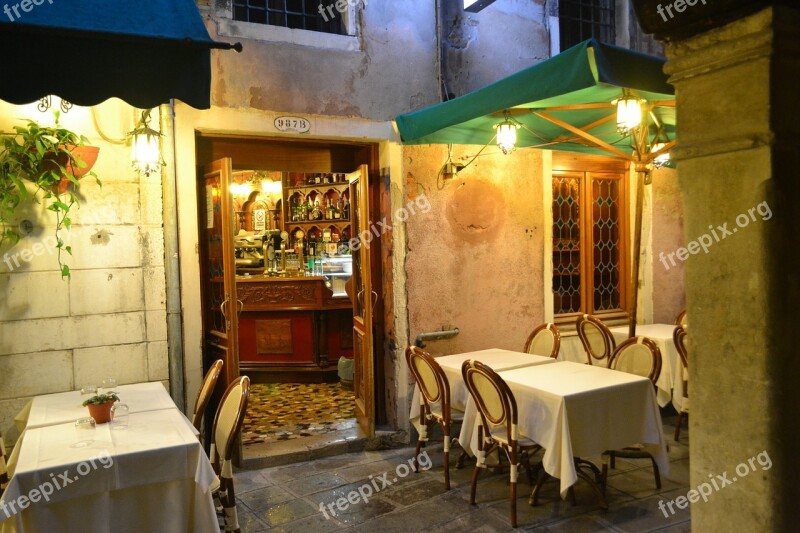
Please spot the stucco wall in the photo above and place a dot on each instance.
(474, 261)
(109, 319)
(668, 281)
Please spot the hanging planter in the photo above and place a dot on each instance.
(69, 161)
(53, 159)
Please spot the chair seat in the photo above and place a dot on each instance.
(455, 414)
(500, 435)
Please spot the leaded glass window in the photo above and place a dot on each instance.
(589, 243)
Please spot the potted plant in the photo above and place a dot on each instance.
(100, 406)
(52, 159)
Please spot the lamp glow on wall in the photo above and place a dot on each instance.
(507, 135)
(146, 147)
(629, 113)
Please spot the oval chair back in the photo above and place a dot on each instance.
(597, 340)
(544, 340)
(433, 384)
(637, 355)
(227, 424)
(204, 395)
(434, 389)
(680, 318)
(679, 337)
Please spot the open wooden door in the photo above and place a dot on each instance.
(219, 270)
(364, 299)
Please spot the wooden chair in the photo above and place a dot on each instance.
(679, 336)
(597, 339)
(544, 340)
(681, 319)
(498, 428)
(227, 425)
(640, 356)
(204, 395)
(434, 403)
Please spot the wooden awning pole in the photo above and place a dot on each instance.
(641, 172)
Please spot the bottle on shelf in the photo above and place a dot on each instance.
(340, 208)
(346, 209)
(316, 213)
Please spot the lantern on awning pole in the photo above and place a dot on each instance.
(507, 135)
(146, 147)
(629, 113)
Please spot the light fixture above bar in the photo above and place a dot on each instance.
(473, 6)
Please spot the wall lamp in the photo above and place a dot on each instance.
(146, 147)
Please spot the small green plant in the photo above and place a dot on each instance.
(100, 399)
(43, 156)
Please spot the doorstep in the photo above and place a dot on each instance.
(351, 440)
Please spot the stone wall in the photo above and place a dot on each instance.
(667, 229)
(109, 319)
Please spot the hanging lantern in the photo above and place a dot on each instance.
(507, 135)
(146, 147)
(662, 159)
(629, 113)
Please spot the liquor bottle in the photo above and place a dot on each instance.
(294, 209)
(317, 178)
(340, 208)
(312, 246)
(328, 209)
(316, 213)
(346, 209)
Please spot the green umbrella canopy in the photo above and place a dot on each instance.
(572, 89)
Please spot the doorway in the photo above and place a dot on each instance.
(286, 301)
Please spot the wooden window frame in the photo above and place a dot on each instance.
(588, 168)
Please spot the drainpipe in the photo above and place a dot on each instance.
(172, 266)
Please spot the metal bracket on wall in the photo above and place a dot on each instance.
(435, 336)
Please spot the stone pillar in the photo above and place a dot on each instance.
(738, 159)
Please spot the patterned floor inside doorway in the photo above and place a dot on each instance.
(286, 411)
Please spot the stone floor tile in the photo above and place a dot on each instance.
(290, 511)
(316, 523)
(315, 483)
(263, 499)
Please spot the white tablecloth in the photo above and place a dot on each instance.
(152, 476)
(577, 410)
(670, 382)
(64, 407)
(496, 358)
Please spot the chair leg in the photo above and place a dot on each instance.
(446, 431)
(543, 476)
(228, 499)
(461, 459)
(513, 496)
(474, 484)
(678, 426)
(656, 473)
(416, 456)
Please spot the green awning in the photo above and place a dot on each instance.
(576, 87)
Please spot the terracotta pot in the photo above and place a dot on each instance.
(88, 154)
(101, 413)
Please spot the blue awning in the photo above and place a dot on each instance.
(87, 51)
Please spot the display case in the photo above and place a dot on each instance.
(337, 271)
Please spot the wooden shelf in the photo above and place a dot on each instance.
(317, 186)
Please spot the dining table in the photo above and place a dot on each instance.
(670, 381)
(150, 474)
(498, 359)
(578, 410)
